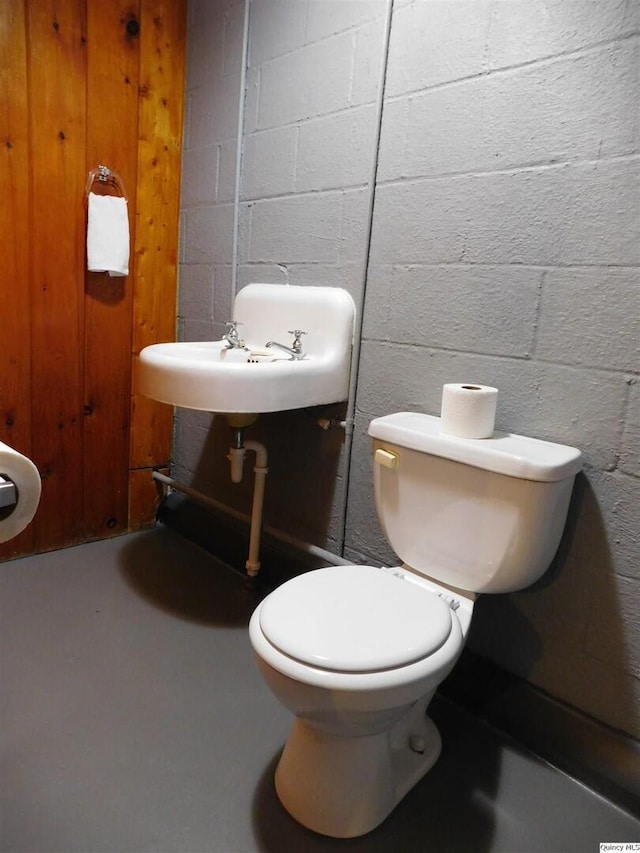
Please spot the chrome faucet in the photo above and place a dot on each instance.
(232, 337)
(295, 350)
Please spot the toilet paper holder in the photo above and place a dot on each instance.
(8, 495)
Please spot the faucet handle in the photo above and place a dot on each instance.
(232, 325)
(297, 343)
(232, 337)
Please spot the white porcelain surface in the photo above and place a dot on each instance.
(372, 690)
(346, 786)
(482, 515)
(466, 527)
(360, 740)
(335, 645)
(211, 377)
(355, 619)
(502, 453)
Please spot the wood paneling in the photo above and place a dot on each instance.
(144, 495)
(82, 83)
(112, 93)
(15, 297)
(57, 129)
(161, 111)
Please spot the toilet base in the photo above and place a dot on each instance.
(345, 786)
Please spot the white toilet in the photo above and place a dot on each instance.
(357, 652)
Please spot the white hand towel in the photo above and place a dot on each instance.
(108, 235)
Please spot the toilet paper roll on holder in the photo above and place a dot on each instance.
(8, 495)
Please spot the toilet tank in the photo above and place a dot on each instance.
(482, 515)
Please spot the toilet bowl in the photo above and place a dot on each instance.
(357, 652)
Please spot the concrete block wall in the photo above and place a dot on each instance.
(214, 65)
(504, 250)
(309, 140)
(309, 148)
(214, 73)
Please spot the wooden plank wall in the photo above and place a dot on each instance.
(82, 83)
(156, 247)
(15, 298)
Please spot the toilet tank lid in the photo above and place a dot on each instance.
(503, 453)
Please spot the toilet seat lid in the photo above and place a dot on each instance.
(354, 619)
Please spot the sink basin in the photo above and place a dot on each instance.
(209, 376)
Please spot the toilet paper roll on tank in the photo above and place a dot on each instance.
(18, 505)
(468, 410)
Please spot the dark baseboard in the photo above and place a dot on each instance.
(228, 539)
(605, 760)
(602, 758)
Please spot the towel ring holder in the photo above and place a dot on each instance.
(104, 175)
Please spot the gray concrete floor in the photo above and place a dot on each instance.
(134, 719)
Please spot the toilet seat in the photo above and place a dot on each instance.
(355, 619)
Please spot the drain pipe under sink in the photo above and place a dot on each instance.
(213, 505)
(260, 469)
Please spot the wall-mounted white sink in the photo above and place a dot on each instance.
(212, 377)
